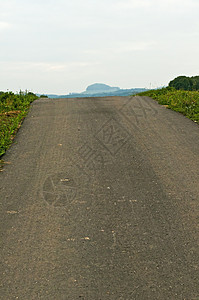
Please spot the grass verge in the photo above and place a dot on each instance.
(13, 109)
(1, 165)
(185, 102)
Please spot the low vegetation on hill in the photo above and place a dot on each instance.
(185, 102)
(13, 108)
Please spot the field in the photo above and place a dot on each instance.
(185, 102)
(13, 109)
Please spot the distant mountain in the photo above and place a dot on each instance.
(100, 90)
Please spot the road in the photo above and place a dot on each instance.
(101, 201)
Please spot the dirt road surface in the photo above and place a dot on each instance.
(101, 201)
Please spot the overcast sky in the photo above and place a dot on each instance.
(62, 46)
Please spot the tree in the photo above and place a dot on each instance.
(195, 80)
(185, 83)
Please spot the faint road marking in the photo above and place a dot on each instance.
(90, 159)
(137, 109)
(59, 190)
(113, 136)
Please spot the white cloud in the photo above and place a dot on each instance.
(166, 5)
(131, 47)
(133, 4)
(121, 48)
(43, 67)
(5, 25)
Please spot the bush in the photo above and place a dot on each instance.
(43, 96)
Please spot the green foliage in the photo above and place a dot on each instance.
(185, 102)
(13, 108)
(195, 82)
(185, 83)
(10, 101)
(43, 96)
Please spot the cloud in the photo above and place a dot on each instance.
(122, 48)
(166, 5)
(44, 67)
(5, 25)
(131, 47)
(132, 4)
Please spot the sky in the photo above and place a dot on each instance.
(62, 46)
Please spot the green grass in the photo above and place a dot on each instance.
(13, 109)
(185, 102)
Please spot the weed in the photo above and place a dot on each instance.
(13, 108)
(185, 102)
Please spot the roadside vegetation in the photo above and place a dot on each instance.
(183, 101)
(13, 109)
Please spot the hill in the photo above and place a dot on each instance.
(100, 90)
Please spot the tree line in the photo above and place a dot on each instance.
(185, 83)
